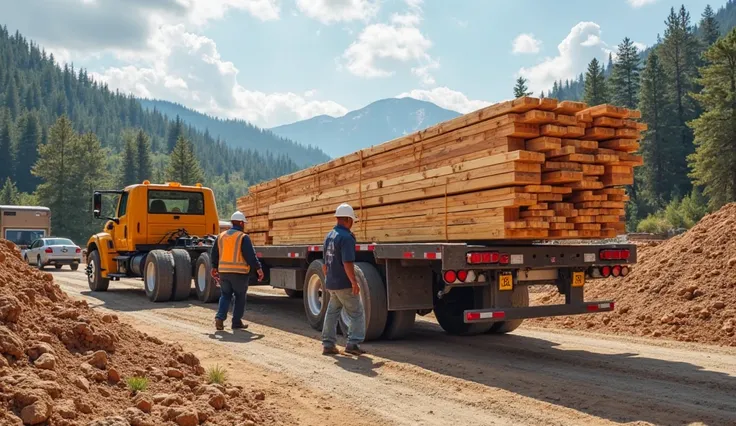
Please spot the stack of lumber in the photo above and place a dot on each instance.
(523, 169)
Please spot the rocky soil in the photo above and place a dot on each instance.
(61, 363)
(682, 289)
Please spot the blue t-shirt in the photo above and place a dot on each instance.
(339, 247)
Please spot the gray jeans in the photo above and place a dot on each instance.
(344, 300)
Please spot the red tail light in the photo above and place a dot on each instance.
(606, 271)
(616, 271)
(49, 250)
(462, 275)
(79, 250)
(472, 316)
(504, 259)
(450, 276)
(479, 257)
(622, 254)
(625, 271)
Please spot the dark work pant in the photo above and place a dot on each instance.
(232, 285)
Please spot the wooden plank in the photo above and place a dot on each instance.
(550, 166)
(599, 133)
(558, 177)
(593, 170)
(569, 107)
(543, 144)
(552, 130)
(586, 147)
(608, 122)
(626, 145)
(628, 134)
(567, 150)
(539, 117)
(608, 111)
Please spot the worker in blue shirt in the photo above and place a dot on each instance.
(233, 257)
(339, 271)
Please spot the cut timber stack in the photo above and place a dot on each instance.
(523, 169)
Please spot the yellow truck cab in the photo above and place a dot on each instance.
(159, 232)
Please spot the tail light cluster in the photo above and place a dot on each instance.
(607, 271)
(463, 276)
(79, 250)
(487, 257)
(49, 250)
(614, 254)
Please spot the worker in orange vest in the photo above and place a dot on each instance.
(233, 257)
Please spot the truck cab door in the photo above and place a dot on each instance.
(121, 231)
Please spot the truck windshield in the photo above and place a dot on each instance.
(23, 237)
(175, 202)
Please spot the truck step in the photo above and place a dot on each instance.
(120, 258)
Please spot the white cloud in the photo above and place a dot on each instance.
(581, 45)
(526, 43)
(640, 46)
(640, 3)
(446, 98)
(330, 11)
(187, 68)
(381, 45)
(202, 11)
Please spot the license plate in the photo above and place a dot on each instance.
(505, 282)
(578, 279)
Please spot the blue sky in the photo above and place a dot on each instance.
(277, 61)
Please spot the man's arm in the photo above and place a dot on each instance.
(347, 250)
(215, 254)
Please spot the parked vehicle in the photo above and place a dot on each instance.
(54, 251)
(24, 224)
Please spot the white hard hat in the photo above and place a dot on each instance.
(344, 210)
(238, 217)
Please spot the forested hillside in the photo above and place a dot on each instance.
(134, 143)
(686, 90)
(240, 134)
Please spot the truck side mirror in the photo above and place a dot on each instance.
(96, 204)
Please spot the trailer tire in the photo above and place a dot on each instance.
(294, 294)
(58, 266)
(94, 273)
(449, 311)
(316, 297)
(207, 289)
(373, 298)
(182, 275)
(158, 276)
(520, 299)
(399, 324)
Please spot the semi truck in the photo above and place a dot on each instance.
(163, 233)
(24, 224)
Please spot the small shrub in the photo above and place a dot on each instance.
(217, 375)
(654, 224)
(137, 384)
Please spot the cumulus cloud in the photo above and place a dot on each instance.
(188, 69)
(330, 11)
(446, 98)
(581, 45)
(640, 3)
(526, 43)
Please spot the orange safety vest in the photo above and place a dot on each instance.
(229, 246)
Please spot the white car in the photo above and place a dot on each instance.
(54, 251)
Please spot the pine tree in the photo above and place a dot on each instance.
(710, 32)
(596, 92)
(12, 98)
(183, 164)
(7, 157)
(27, 143)
(521, 89)
(143, 162)
(714, 161)
(609, 67)
(9, 195)
(176, 130)
(129, 167)
(625, 76)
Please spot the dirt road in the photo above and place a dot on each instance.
(529, 377)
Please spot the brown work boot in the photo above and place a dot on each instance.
(239, 325)
(354, 350)
(332, 350)
(219, 326)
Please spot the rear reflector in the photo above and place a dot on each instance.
(625, 271)
(616, 271)
(481, 257)
(475, 316)
(600, 307)
(606, 271)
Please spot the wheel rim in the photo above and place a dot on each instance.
(314, 295)
(92, 271)
(202, 278)
(150, 277)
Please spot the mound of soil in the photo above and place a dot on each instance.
(61, 363)
(682, 289)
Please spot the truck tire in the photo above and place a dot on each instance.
(207, 290)
(39, 263)
(182, 275)
(294, 294)
(520, 299)
(58, 266)
(74, 266)
(94, 273)
(373, 297)
(316, 297)
(449, 311)
(399, 324)
(158, 276)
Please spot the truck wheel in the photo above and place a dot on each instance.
(399, 324)
(94, 273)
(58, 266)
(39, 264)
(316, 297)
(159, 276)
(182, 274)
(449, 312)
(207, 290)
(373, 297)
(74, 266)
(520, 299)
(294, 294)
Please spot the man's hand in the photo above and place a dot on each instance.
(214, 273)
(356, 289)
(260, 275)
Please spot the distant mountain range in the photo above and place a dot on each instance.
(374, 124)
(239, 133)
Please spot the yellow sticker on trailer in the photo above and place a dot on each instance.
(505, 282)
(578, 279)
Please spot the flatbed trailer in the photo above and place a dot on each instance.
(471, 288)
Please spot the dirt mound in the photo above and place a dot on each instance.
(61, 363)
(683, 288)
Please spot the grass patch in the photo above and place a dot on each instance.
(137, 384)
(217, 375)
